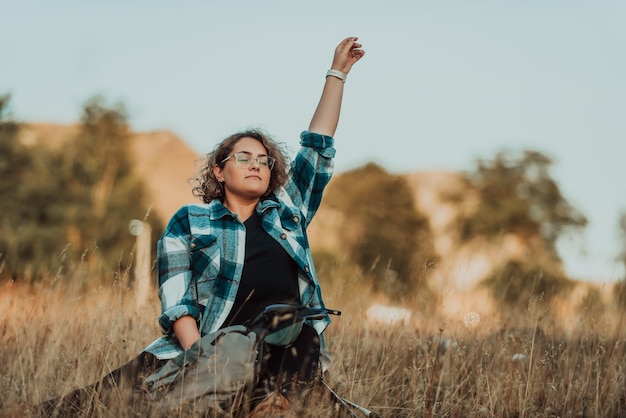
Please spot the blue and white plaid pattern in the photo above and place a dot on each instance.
(201, 253)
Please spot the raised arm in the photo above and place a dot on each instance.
(326, 116)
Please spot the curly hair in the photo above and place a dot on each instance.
(207, 187)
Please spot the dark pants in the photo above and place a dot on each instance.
(120, 387)
(292, 368)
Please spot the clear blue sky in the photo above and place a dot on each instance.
(442, 84)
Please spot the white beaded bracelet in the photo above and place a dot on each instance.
(336, 73)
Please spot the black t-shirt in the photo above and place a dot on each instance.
(269, 275)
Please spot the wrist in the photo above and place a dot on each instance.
(337, 74)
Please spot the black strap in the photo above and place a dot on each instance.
(279, 316)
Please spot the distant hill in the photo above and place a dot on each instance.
(166, 164)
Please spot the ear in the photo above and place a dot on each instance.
(217, 172)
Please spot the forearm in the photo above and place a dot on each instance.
(186, 331)
(326, 116)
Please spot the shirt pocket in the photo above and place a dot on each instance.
(290, 219)
(205, 265)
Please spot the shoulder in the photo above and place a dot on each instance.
(213, 208)
(185, 215)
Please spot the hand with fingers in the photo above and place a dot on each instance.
(347, 53)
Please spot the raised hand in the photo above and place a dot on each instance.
(346, 54)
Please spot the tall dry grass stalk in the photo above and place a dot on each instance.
(55, 337)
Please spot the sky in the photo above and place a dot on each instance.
(442, 84)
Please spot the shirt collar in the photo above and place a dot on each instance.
(217, 210)
(269, 201)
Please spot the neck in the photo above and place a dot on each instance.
(243, 208)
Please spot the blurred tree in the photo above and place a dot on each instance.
(592, 305)
(14, 160)
(70, 204)
(518, 283)
(620, 286)
(393, 241)
(622, 228)
(103, 194)
(31, 223)
(518, 195)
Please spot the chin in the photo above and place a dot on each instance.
(258, 193)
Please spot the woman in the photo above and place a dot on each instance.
(245, 247)
(222, 262)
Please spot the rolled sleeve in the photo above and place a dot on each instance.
(169, 316)
(323, 144)
(176, 301)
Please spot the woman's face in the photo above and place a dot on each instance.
(244, 181)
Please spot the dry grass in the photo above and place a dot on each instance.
(55, 338)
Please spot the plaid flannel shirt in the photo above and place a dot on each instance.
(201, 253)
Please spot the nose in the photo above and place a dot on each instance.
(255, 165)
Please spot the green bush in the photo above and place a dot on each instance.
(395, 242)
(517, 284)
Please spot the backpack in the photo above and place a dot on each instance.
(222, 368)
(208, 374)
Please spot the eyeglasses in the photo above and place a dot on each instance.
(244, 159)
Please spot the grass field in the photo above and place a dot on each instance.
(55, 337)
